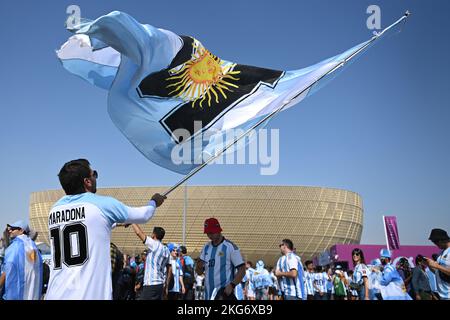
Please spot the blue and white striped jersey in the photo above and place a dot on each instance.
(220, 263)
(301, 277)
(248, 278)
(176, 273)
(239, 292)
(442, 286)
(309, 279)
(156, 262)
(290, 286)
(320, 279)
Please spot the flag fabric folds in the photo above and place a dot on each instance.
(167, 90)
(24, 270)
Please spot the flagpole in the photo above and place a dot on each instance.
(273, 113)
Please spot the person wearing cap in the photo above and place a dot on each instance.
(392, 286)
(80, 225)
(175, 288)
(221, 262)
(441, 266)
(156, 264)
(22, 271)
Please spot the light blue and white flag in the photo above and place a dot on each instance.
(23, 269)
(167, 90)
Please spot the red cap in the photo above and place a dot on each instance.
(212, 225)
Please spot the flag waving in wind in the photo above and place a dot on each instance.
(166, 89)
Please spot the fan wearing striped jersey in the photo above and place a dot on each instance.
(219, 260)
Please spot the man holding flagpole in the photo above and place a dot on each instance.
(80, 225)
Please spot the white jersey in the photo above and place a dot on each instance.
(220, 263)
(309, 279)
(176, 273)
(156, 262)
(443, 286)
(320, 279)
(199, 280)
(248, 278)
(290, 286)
(361, 271)
(80, 235)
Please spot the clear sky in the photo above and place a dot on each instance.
(380, 129)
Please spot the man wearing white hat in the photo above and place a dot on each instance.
(22, 270)
(392, 286)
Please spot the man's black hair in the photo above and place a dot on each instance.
(159, 233)
(72, 175)
(308, 262)
(183, 249)
(288, 243)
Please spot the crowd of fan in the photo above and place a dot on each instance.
(330, 282)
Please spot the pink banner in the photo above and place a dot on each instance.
(390, 224)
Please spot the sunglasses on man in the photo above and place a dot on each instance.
(13, 228)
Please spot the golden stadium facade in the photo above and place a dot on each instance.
(256, 218)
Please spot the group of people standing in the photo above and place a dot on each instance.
(381, 280)
(80, 225)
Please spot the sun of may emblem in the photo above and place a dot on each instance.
(202, 77)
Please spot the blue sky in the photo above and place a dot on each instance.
(380, 129)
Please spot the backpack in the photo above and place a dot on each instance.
(188, 272)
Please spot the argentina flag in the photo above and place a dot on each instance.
(168, 91)
(24, 270)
